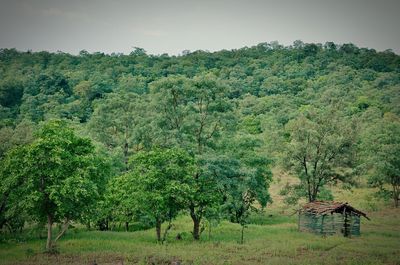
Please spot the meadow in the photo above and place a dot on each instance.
(270, 238)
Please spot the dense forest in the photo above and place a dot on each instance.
(104, 139)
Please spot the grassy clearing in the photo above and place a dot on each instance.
(272, 238)
(277, 243)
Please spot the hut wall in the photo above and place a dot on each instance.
(354, 224)
(329, 224)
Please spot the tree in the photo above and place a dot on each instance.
(11, 91)
(321, 151)
(158, 187)
(245, 175)
(383, 147)
(104, 168)
(59, 183)
(137, 51)
(118, 123)
(12, 189)
(119, 204)
(192, 113)
(11, 137)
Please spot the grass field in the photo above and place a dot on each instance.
(272, 238)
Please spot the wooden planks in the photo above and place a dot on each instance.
(329, 224)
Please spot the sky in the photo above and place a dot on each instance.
(171, 26)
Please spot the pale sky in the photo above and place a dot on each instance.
(171, 26)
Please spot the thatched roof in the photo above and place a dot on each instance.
(329, 207)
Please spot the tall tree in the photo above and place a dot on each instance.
(321, 150)
(192, 113)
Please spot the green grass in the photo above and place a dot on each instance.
(270, 238)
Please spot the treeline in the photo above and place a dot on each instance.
(103, 139)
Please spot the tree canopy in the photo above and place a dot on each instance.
(55, 174)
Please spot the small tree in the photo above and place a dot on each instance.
(57, 176)
(246, 177)
(119, 199)
(158, 187)
(103, 168)
(321, 151)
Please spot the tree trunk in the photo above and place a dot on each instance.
(314, 193)
(63, 230)
(3, 202)
(126, 226)
(396, 193)
(196, 224)
(313, 197)
(158, 230)
(241, 238)
(209, 230)
(166, 232)
(304, 162)
(196, 229)
(49, 232)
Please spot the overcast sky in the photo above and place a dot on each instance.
(164, 26)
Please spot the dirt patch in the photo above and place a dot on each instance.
(100, 259)
(160, 260)
(69, 259)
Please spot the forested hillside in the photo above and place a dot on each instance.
(148, 137)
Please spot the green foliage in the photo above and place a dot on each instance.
(245, 177)
(237, 113)
(11, 91)
(11, 136)
(382, 146)
(246, 174)
(53, 174)
(12, 189)
(191, 114)
(321, 151)
(190, 110)
(118, 123)
(157, 188)
(59, 182)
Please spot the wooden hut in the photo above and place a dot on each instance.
(328, 217)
